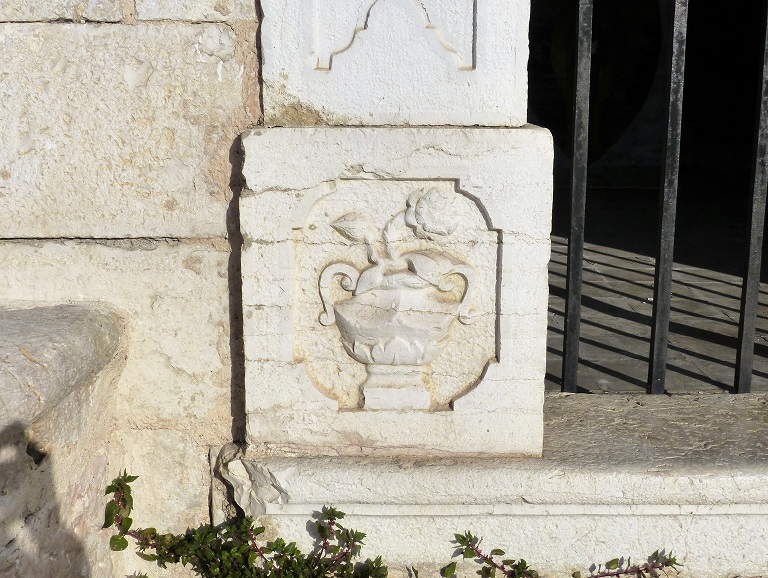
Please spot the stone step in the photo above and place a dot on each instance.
(56, 412)
(48, 352)
(621, 475)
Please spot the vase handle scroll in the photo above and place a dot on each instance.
(349, 274)
(465, 271)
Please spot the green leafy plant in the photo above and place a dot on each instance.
(231, 550)
(658, 563)
(469, 548)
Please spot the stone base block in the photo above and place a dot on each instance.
(395, 289)
(173, 298)
(156, 417)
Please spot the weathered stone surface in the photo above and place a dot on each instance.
(55, 468)
(171, 493)
(49, 509)
(395, 62)
(171, 398)
(174, 299)
(46, 353)
(47, 10)
(556, 542)
(395, 297)
(619, 474)
(117, 131)
(196, 10)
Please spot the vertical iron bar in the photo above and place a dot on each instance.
(662, 290)
(578, 197)
(750, 290)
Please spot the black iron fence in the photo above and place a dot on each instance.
(675, 74)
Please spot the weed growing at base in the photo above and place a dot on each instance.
(232, 550)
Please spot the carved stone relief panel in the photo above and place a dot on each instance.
(395, 300)
(395, 62)
(395, 289)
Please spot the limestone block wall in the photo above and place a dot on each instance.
(119, 165)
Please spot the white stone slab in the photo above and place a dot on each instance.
(382, 278)
(117, 131)
(395, 62)
(619, 476)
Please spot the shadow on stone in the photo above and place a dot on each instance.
(236, 351)
(33, 540)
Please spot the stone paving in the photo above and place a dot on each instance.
(616, 325)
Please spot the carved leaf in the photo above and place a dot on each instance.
(390, 233)
(430, 267)
(355, 227)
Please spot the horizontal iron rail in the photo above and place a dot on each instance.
(573, 285)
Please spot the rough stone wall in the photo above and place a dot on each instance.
(119, 172)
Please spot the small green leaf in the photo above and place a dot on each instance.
(468, 552)
(612, 564)
(109, 514)
(147, 557)
(448, 571)
(111, 489)
(129, 479)
(125, 524)
(576, 575)
(497, 552)
(118, 543)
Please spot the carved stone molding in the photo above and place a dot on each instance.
(451, 26)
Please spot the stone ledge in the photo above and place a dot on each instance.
(48, 352)
(598, 450)
(621, 475)
(58, 366)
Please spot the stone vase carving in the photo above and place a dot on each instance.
(403, 305)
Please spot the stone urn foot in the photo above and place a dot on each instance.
(395, 387)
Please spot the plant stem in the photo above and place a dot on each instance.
(340, 556)
(637, 570)
(256, 547)
(489, 560)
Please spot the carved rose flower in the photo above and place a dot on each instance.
(434, 214)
